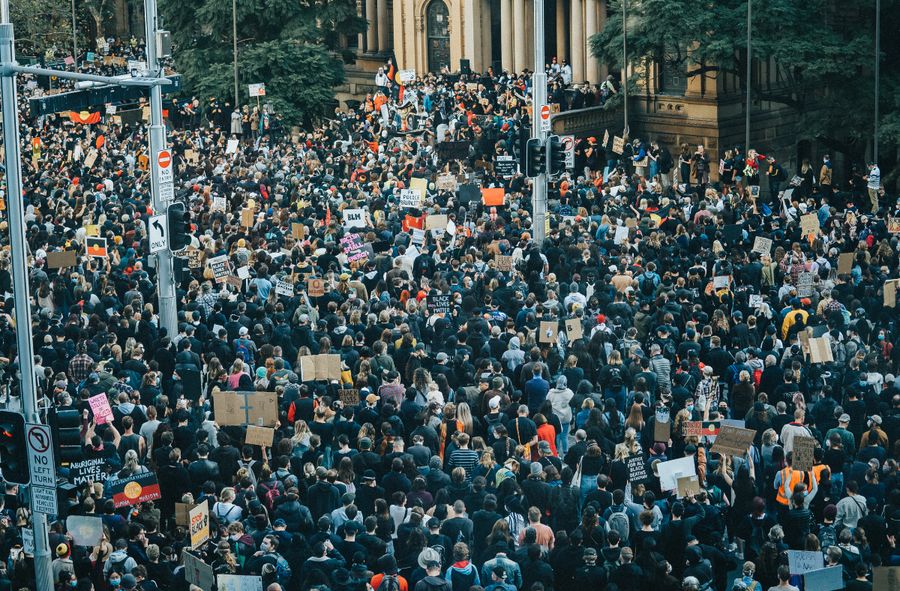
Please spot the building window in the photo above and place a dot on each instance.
(438, 18)
(672, 74)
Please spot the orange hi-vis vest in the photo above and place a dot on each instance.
(789, 478)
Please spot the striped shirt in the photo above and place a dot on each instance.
(464, 458)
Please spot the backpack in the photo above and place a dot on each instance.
(827, 536)
(249, 466)
(389, 583)
(620, 523)
(270, 494)
(241, 351)
(119, 565)
(647, 286)
(282, 570)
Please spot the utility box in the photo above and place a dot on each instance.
(163, 44)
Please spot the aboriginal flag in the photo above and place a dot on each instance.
(132, 491)
(96, 247)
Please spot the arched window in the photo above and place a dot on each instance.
(438, 19)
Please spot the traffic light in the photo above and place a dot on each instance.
(13, 451)
(535, 158)
(179, 226)
(66, 423)
(556, 155)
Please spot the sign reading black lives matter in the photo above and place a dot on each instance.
(637, 469)
(439, 303)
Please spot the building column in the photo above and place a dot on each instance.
(382, 25)
(372, 31)
(506, 35)
(576, 24)
(561, 31)
(487, 48)
(591, 70)
(470, 26)
(520, 57)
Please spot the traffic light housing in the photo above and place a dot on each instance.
(13, 451)
(179, 226)
(66, 423)
(535, 158)
(556, 155)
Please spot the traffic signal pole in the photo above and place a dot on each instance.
(165, 271)
(539, 99)
(19, 269)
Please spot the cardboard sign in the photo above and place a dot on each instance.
(61, 260)
(221, 267)
(197, 572)
(320, 367)
(262, 436)
(687, 485)
(662, 426)
(845, 263)
(90, 159)
(618, 146)
(420, 186)
(820, 350)
(447, 182)
(893, 225)
(733, 441)
(800, 561)
(493, 197)
(805, 283)
(128, 492)
(192, 157)
(85, 530)
(410, 199)
(803, 457)
(315, 287)
(284, 288)
(354, 218)
(246, 408)
(890, 294)
(504, 263)
(721, 281)
(637, 469)
(824, 579)
(198, 523)
(349, 396)
(762, 245)
(298, 230)
(809, 224)
(886, 578)
(436, 222)
(239, 583)
(92, 470)
(439, 303)
(247, 217)
(100, 407)
(669, 472)
(574, 329)
(183, 514)
(548, 332)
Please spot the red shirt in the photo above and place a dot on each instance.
(376, 580)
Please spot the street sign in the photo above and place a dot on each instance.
(40, 455)
(545, 118)
(157, 232)
(164, 170)
(568, 143)
(43, 500)
(28, 541)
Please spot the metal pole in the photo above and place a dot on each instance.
(21, 291)
(539, 94)
(877, 76)
(168, 313)
(74, 36)
(749, 75)
(234, 38)
(625, 64)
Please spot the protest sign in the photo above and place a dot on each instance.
(257, 90)
(96, 247)
(505, 166)
(618, 146)
(323, 367)
(762, 245)
(548, 332)
(447, 182)
(353, 247)
(349, 396)
(406, 76)
(890, 294)
(669, 472)
(91, 470)
(298, 230)
(687, 486)
(262, 436)
(800, 561)
(197, 572)
(755, 300)
(418, 236)
(220, 266)
(886, 578)
(803, 453)
(493, 197)
(61, 260)
(284, 288)
(183, 514)
(805, 282)
(85, 530)
(134, 490)
(420, 186)
(232, 147)
(733, 440)
(574, 329)
(809, 224)
(410, 199)
(198, 519)
(243, 272)
(436, 222)
(239, 583)
(354, 218)
(469, 192)
(845, 263)
(246, 408)
(315, 287)
(662, 426)
(824, 579)
(247, 217)
(100, 407)
(621, 236)
(439, 303)
(820, 350)
(504, 262)
(893, 225)
(721, 281)
(194, 258)
(637, 469)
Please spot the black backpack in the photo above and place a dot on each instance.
(389, 583)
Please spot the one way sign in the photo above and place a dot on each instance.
(159, 235)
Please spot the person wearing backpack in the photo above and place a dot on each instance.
(268, 489)
(388, 577)
(462, 574)
(432, 580)
(244, 348)
(617, 519)
(268, 554)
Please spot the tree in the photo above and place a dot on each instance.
(41, 24)
(291, 46)
(824, 51)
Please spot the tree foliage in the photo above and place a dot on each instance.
(41, 24)
(824, 49)
(290, 45)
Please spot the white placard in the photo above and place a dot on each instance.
(257, 89)
(801, 561)
(410, 198)
(671, 471)
(354, 218)
(232, 147)
(284, 288)
(621, 236)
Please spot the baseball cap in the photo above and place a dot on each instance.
(876, 419)
(280, 523)
(844, 418)
(372, 398)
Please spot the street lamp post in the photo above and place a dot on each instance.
(625, 64)
(74, 36)
(877, 76)
(235, 50)
(749, 75)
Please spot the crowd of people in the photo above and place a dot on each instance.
(493, 440)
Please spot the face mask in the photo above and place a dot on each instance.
(264, 546)
(235, 537)
(115, 582)
(689, 408)
(748, 579)
(73, 583)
